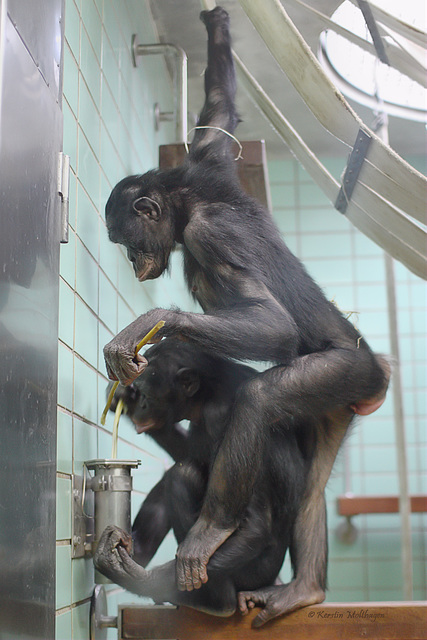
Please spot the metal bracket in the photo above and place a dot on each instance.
(366, 10)
(100, 621)
(82, 525)
(352, 171)
(64, 193)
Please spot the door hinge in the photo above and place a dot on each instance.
(64, 193)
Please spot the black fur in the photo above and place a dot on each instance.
(259, 304)
(182, 382)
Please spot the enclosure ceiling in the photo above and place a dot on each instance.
(178, 22)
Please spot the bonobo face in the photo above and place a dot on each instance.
(167, 389)
(155, 406)
(137, 217)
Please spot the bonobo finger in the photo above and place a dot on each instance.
(117, 536)
(125, 541)
(183, 576)
(126, 370)
(203, 575)
(196, 574)
(243, 603)
(249, 600)
(140, 362)
(188, 573)
(107, 543)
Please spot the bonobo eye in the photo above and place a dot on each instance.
(147, 206)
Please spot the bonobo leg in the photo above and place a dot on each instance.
(113, 560)
(309, 549)
(323, 384)
(175, 501)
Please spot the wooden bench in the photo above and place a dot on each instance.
(334, 621)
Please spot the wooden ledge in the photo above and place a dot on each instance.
(365, 620)
(351, 505)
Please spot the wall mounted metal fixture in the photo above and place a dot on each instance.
(180, 58)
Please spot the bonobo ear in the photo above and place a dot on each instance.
(147, 206)
(189, 380)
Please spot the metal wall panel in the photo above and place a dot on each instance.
(30, 140)
(39, 23)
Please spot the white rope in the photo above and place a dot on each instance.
(239, 155)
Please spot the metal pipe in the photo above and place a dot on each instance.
(399, 426)
(112, 485)
(399, 420)
(3, 20)
(180, 58)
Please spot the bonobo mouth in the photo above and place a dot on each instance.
(143, 427)
(144, 273)
(150, 271)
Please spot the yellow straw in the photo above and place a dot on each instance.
(117, 415)
(139, 346)
(109, 401)
(149, 335)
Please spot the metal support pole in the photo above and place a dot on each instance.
(399, 419)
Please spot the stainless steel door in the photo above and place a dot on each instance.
(30, 141)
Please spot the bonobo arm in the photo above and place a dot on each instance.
(261, 330)
(173, 439)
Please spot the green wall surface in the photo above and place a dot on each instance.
(108, 133)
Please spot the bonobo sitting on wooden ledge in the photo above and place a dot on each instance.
(259, 303)
(183, 382)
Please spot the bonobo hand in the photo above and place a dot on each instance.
(120, 359)
(216, 16)
(277, 600)
(194, 552)
(128, 395)
(112, 559)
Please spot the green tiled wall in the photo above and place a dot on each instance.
(350, 269)
(108, 133)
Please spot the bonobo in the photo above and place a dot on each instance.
(260, 304)
(181, 381)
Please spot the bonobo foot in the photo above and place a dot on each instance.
(112, 559)
(278, 600)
